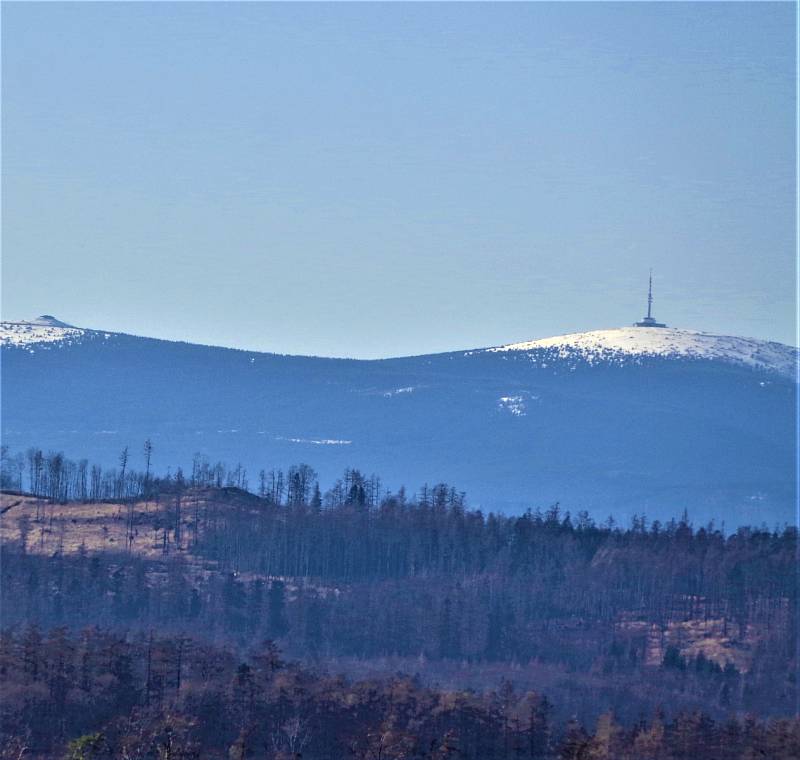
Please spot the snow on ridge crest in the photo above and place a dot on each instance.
(42, 330)
(599, 345)
(618, 344)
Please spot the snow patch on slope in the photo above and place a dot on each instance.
(512, 404)
(625, 343)
(398, 391)
(317, 441)
(45, 329)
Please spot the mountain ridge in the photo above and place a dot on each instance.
(523, 425)
(593, 346)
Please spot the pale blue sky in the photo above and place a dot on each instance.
(384, 179)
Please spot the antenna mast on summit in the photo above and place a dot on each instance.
(649, 320)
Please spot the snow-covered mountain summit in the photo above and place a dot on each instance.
(624, 344)
(44, 329)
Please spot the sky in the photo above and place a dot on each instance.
(376, 180)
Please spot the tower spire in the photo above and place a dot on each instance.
(649, 320)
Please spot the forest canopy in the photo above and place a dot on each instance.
(138, 605)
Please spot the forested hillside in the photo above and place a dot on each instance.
(359, 580)
(352, 425)
(99, 695)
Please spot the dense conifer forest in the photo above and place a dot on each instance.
(148, 696)
(207, 614)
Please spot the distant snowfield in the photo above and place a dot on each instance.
(606, 345)
(398, 391)
(513, 404)
(316, 441)
(30, 333)
(597, 346)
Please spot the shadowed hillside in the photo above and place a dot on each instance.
(373, 582)
(608, 432)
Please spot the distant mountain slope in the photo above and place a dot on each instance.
(626, 343)
(631, 420)
(44, 329)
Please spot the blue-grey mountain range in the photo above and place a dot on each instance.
(623, 421)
